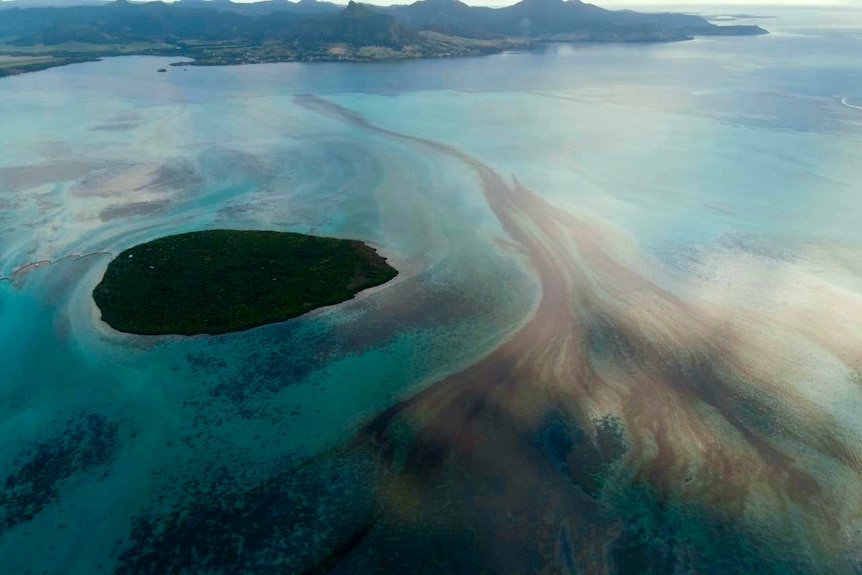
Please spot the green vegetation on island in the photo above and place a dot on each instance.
(222, 281)
(222, 32)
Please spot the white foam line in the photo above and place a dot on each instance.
(849, 105)
(32, 265)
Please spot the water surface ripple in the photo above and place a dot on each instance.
(623, 428)
(626, 335)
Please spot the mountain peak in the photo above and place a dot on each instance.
(356, 9)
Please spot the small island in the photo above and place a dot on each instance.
(222, 281)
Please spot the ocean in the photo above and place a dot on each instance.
(626, 335)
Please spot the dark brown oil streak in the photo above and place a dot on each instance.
(477, 416)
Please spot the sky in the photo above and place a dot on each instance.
(644, 3)
(634, 4)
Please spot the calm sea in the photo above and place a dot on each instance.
(727, 172)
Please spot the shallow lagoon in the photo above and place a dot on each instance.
(716, 180)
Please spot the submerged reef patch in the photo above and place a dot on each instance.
(85, 444)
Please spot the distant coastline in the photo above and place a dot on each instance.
(223, 33)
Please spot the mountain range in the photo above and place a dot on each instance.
(224, 32)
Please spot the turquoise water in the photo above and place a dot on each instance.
(724, 170)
